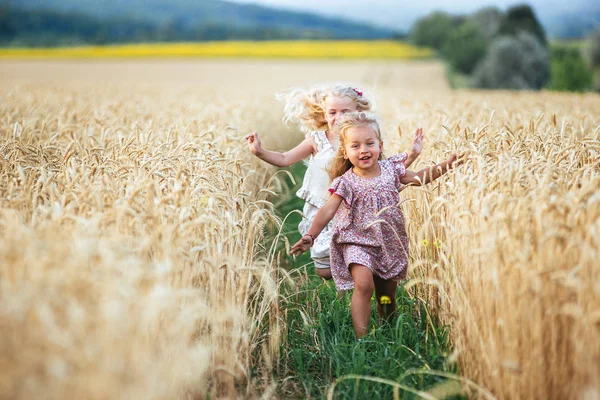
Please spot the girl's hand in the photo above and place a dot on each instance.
(253, 143)
(416, 146)
(302, 245)
(456, 161)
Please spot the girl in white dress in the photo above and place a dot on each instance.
(316, 111)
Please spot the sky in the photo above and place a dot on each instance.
(400, 14)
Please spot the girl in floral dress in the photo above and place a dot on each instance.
(316, 111)
(369, 246)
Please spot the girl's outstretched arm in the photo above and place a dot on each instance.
(429, 174)
(416, 148)
(324, 215)
(298, 153)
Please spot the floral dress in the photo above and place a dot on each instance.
(369, 227)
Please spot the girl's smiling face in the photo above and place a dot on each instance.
(336, 106)
(362, 147)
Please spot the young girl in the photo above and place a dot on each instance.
(369, 247)
(317, 111)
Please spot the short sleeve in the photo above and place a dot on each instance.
(311, 135)
(342, 188)
(397, 162)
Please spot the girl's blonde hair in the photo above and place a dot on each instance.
(307, 108)
(340, 164)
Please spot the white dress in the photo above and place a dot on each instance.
(315, 192)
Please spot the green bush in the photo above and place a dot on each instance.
(569, 70)
(594, 55)
(520, 62)
(465, 47)
(594, 48)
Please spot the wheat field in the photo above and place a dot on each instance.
(135, 260)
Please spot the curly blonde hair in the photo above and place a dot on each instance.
(340, 164)
(306, 107)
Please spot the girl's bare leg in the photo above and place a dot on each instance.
(361, 298)
(324, 273)
(385, 288)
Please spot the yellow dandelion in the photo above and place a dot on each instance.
(385, 300)
(425, 242)
(437, 244)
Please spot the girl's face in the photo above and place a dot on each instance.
(337, 106)
(362, 147)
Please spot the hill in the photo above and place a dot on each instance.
(567, 19)
(199, 20)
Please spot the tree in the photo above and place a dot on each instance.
(522, 19)
(433, 29)
(488, 19)
(514, 62)
(465, 47)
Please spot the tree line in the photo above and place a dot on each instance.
(507, 50)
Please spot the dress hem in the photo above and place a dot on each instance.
(350, 286)
(311, 198)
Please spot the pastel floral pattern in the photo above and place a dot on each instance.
(369, 227)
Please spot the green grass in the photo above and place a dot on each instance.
(581, 44)
(320, 346)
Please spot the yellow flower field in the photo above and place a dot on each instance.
(383, 49)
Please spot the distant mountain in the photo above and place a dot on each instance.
(560, 18)
(193, 14)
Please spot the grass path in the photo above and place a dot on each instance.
(321, 348)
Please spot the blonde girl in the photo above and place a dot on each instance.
(316, 111)
(369, 245)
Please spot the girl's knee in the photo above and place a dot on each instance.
(363, 278)
(364, 284)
